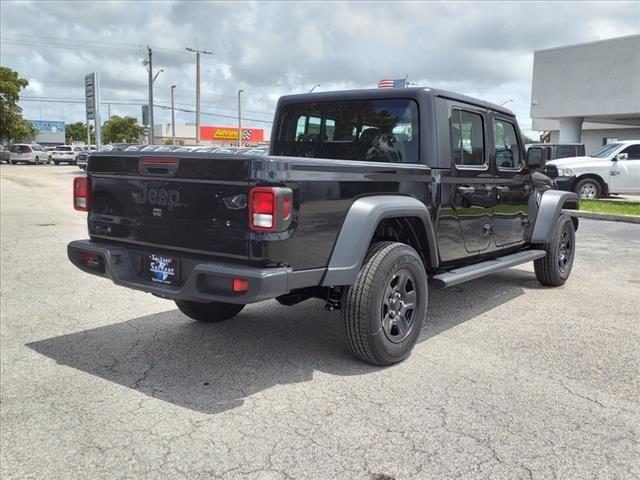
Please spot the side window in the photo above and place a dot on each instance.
(300, 126)
(507, 151)
(308, 128)
(467, 139)
(633, 151)
(329, 129)
(565, 151)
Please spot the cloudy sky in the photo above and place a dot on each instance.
(274, 48)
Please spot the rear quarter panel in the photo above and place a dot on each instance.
(324, 190)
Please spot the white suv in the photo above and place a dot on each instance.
(66, 154)
(614, 169)
(27, 153)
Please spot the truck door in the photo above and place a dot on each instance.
(625, 173)
(464, 225)
(511, 183)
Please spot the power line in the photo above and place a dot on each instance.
(138, 103)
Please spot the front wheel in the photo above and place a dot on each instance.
(554, 269)
(588, 189)
(37, 160)
(384, 309)
(209, 312)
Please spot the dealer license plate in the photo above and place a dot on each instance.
(165, 270)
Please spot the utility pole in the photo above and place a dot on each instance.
(108, 111)
(173, 117)
(239, 120)
(150, 67)
(197, 52)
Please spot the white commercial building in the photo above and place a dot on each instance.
(588, 93)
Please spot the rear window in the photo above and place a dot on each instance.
(63, 149)
(367, 130)
(565, 152)
(20, 149)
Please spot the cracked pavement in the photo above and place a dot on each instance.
(509, 380)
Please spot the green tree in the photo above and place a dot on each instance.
(24, 131)
(121, 129)
(77, 132)
(528, 140)
(12, 125)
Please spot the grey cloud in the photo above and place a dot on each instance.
(274, 48)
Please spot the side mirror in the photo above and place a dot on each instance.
(536, 158)
(622, 156)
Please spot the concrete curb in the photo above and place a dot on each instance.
(611, 217)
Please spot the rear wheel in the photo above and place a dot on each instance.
(209, 312)
(384, 309)
(554, 269)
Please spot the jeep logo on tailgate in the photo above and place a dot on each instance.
(157, 196)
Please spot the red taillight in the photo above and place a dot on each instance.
(286, 207)
(263, 209)
(81, 193)
(240, 285)
(270, 209)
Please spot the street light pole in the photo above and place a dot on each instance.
(173, 117)
(150, 67)
(198, 52)
(239, 120)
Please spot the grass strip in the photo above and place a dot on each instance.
(617, 208)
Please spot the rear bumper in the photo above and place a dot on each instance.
(204, 281)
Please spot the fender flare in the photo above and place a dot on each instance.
(551, 204)
(359, 226)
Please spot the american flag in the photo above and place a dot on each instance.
(387, 83)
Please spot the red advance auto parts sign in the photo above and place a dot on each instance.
(229, 133)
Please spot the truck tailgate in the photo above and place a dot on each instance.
(193, 204)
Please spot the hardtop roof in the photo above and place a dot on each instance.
(382, 93)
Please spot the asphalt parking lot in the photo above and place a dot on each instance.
(509, 380)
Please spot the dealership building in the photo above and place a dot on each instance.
(588, 93)
(209, 135)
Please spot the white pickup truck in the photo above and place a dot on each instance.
(614, 169)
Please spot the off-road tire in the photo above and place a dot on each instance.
(209, 312)
(363, 304)
(548, 269)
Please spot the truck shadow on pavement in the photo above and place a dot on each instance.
(211, 368)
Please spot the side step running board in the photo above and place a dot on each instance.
(464, 274)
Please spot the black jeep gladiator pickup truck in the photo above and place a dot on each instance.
(367, 198)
